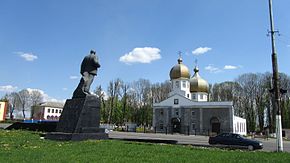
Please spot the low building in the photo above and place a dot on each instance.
(187, 109)
(3, 110)
(47, 111)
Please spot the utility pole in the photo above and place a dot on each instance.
(276, 89)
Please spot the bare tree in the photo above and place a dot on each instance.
(249, 86)
(25, 101)
(143, 95)
(36, 97)
(160, 91)
(13, 100)
(261, 99)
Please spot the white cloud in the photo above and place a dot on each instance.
(106, 97)
(27, 56)
(8, 88)
(73, 77)
(46, 97)
(64, 89)
(288, 46)
(230, 67)
(212, 69)
(201, 50)
(141, 55)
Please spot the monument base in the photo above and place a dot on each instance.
(75, 136)
(80, 120)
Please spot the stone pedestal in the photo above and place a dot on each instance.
(80, 120)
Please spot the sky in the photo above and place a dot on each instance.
(42, 42)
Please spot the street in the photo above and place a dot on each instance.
(269, 145)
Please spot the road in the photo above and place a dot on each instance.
(269, 145)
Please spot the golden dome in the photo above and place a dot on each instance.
(197, 84)
(179, 71)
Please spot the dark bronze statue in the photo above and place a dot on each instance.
(89, 68)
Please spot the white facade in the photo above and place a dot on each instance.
(199, 96)
(240, 125)
(180, 86)
(47, 111)
(52, 113)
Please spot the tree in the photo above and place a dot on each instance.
(24, 100)
(248, 85)
(13, 102)
(261, 99)
(285, 101)
(160, 91)
(36, 97)
(143, 97)
(124, 97)
(113, 92)
(104, 111)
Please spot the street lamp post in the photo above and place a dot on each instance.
(276, 86)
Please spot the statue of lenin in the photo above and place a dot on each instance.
(89, 68)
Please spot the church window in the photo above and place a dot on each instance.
(52, 110)
(161, 126)
(48, 110)
(187, 95)
(193, 96)
(177, 84)
(161, 112)
(175, 101)
(193, 113)
(176, 112)
(201, 97)
(184, 84)
(193, 126)
(56, 111)
(60, 111)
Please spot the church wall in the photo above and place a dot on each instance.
(222, 114)
(162, 117)
(190, 120)
(198, 120)
(193, 120)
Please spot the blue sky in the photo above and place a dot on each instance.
(43, 42)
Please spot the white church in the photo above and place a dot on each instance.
(187, 109)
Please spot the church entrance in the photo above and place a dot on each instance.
(215, 125)
(175, 125)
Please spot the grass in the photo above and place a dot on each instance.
(25, 146)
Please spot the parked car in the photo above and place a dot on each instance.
(235, 140)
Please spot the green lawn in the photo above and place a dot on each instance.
(24, 146)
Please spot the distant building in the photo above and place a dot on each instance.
(3, 110)
(47, 111)
(187, 110)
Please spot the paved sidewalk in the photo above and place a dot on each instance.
(4, 125)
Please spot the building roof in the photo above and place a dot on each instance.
(197, 83)
(186, 103)
(179, 71)
(52, 104)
